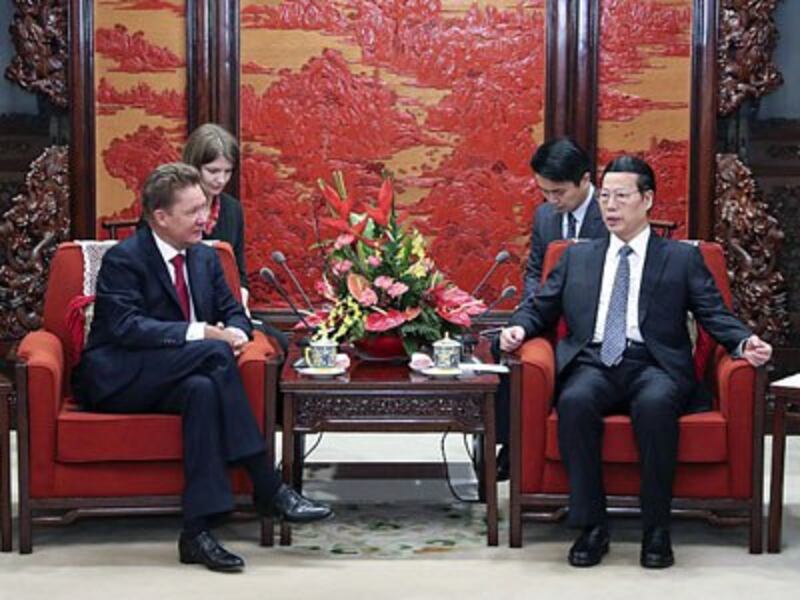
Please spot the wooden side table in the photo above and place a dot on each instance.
(785, 391)
(5, 465)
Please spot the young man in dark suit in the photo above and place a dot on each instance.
(165, 336)
(561, 169)
(625, 300)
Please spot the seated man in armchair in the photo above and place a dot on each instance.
(625, 300)
(165, 336)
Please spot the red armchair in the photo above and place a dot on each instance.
(720, 452)
(74, 463)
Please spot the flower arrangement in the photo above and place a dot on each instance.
(379, 279)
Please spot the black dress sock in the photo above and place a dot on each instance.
(264, 477)
(192, 527)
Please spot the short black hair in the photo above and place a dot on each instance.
(645, 178)
(561, 159)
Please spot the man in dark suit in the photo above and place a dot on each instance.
(165, 336)
(625, 300)
(561, 170)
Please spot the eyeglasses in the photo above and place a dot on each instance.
(621, 196)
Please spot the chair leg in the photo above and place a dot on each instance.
(267, 531)
(25, 526)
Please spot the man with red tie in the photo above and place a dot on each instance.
(165, 336)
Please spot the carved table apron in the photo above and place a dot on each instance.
(384, 398)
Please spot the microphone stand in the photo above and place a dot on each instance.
(469, 339)
(268, 276)
(280, 258)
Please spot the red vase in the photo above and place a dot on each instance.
(388, 346)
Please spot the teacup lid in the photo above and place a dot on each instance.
(445, 342)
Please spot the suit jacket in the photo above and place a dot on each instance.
(137, 309)
(230, 228)
(675, 280)
(546, 228)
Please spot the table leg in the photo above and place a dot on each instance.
(490, 471)
(5, 474)
(287, 456)
(776, 480)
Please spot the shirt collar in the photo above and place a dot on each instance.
(580, 212)
(638, 244)
(167, 251)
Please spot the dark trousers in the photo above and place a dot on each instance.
(201, 382)
(638, 387)
(502, 399)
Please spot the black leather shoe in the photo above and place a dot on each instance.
(503, 463)
(293, 507)
(589, 548)
(204, 549)
(657, 549)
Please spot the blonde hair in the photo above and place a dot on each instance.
(207, 143)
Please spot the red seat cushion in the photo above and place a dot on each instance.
(103, 437)
(702, 439)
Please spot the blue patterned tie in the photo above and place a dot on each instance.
(615, 336)
(572, 226)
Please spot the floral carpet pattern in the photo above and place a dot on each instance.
(394, 530)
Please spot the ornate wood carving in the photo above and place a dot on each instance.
(752, 238)
(30, 230)
(39, 34)
(466, 409)
(747, 36)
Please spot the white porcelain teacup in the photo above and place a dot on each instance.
(321, 354)
(446, 353)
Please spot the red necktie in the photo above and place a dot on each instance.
(180, 285)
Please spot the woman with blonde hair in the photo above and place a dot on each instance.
(214, 152)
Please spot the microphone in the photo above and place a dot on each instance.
(268, 276)
(280, 258)
(501, 257)
(507, 293)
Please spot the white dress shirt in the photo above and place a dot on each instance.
(196, 329)
(636, 264)
(579, 214)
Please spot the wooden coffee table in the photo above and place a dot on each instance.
(388, 398)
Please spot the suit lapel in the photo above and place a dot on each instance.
(156, 265)
(592, 225)
(593, 274)
(651, 273)
(555, 226)
(198, 284)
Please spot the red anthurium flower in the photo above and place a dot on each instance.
(455, 305)
(377, 322)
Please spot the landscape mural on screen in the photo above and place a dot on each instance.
(447, 95)
(645, 94)
(140, 98)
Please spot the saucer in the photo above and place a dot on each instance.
(322, 372)
(438, 373)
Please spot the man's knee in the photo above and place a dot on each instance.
(200, 394)
(216, 351)
(576, 404)
(656, 404)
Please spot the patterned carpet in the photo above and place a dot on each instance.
(394, 530)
